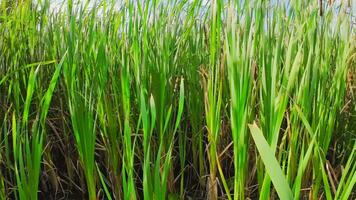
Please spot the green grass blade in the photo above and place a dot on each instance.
(272, 167)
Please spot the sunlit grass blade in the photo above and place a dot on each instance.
(270, 162)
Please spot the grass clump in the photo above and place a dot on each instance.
(177, 100)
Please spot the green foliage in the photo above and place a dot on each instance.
(153, 99)
(272, 167)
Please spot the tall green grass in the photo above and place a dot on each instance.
(177, 99)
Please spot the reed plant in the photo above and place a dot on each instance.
(177, 99)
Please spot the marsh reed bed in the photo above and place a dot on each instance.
(177, 99)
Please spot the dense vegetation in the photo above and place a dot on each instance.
(177, 99)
